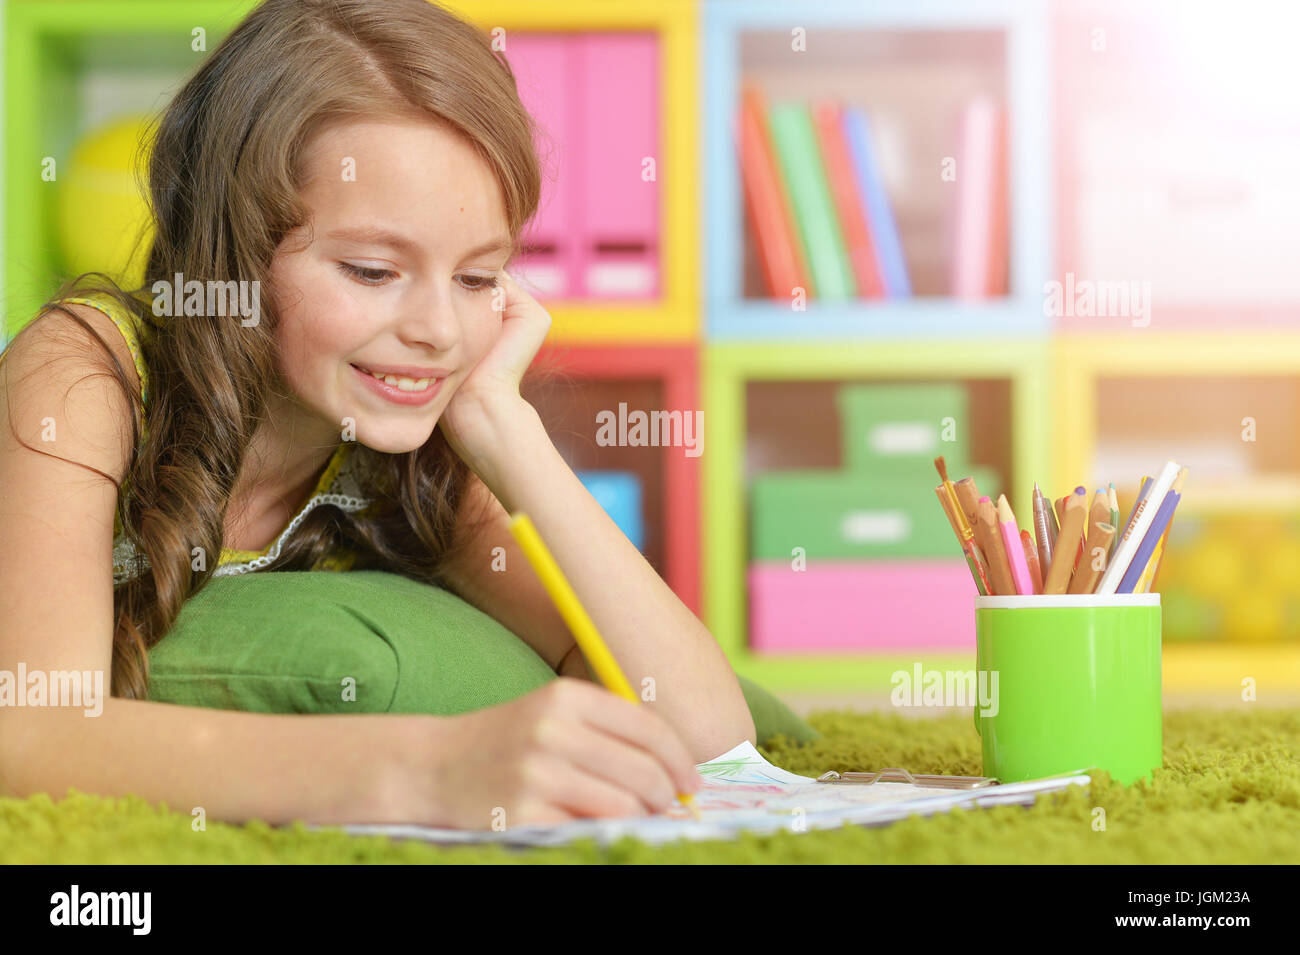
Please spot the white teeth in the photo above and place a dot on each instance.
(403, 384)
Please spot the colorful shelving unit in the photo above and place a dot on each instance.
(860, 53)
(672, 320)
(1014, 378)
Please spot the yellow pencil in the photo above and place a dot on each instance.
(584, 631)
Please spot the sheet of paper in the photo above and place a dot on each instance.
(743, 792)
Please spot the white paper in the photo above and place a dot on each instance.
(743, 792)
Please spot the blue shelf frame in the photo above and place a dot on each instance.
(728, 316)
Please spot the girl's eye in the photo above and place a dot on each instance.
(480, 283)
(365, 275)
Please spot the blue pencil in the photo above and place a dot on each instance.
(1143, 554)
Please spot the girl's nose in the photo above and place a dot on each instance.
(431, 320)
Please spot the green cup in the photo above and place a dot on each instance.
(1077, 685)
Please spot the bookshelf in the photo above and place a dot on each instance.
(1015, 380)
(896, 60)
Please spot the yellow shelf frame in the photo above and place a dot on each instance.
(675, 317)
(1079, 360)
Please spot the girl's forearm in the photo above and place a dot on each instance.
(234, 765)
(648, 629)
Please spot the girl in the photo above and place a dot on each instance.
(366, 170)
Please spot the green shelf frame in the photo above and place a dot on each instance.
(53, 39)
(727, 367)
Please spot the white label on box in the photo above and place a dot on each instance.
(908, 437)
(620, 278)
(541, 280)
(875, 527)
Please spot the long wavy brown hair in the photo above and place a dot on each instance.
(222, 186)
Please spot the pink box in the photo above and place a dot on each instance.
(619, 132)
(546, 68)
(839, 606)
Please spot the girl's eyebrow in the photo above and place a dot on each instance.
(374, 235)
(380, 236)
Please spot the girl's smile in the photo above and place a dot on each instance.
(401, 390)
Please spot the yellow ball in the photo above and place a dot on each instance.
(100, 208)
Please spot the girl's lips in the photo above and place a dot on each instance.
(397, 395)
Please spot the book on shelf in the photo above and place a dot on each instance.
(880, 215)
(767, 206)
(816, 202)
(804, 174)
(979, 252)
(828, 120)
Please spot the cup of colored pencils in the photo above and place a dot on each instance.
(1074, 547)
(1078, 679)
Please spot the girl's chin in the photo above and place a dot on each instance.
(394, 440)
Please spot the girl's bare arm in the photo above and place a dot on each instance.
(648, 629)
(234, 766)
(56, 608)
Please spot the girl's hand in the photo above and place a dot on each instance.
(495, 379)
(568, 750)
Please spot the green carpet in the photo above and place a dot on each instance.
(1229, 793)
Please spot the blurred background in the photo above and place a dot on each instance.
(1052, 241)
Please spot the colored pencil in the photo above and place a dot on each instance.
(584, 631)
(1043, 535)
(1067, 547)
(1148, 582)
(1094, 560)
(1031, 558)
(973, 558)
(1113, 500)
(968, 553)
(969, 496)
(1099, 513)
(1078, 556)
(1015, 550)
(1159, 524)
(1143, 516)
(990, 538)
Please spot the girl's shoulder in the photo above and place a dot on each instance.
(127, 322)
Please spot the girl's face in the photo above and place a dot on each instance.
(395, 273)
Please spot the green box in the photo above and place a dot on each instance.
(899, 429)
(835, 515)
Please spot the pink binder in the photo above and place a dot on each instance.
(546, 71)
(618, 256)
